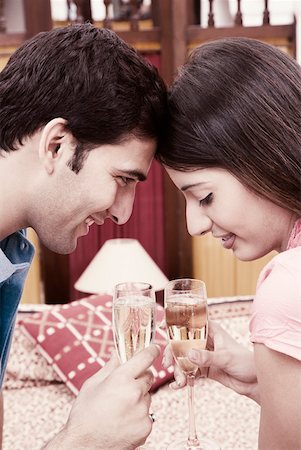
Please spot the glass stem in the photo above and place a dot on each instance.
(192, 438)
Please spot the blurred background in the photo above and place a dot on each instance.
(164, 32)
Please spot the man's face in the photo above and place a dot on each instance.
(67, 204)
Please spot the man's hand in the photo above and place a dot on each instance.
(111, 411)
(225, 361)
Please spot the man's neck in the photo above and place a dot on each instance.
(13, 192)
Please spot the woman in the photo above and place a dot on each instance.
(233, 147)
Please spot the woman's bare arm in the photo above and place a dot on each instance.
(279, 382)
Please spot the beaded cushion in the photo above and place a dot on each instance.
(76, 339)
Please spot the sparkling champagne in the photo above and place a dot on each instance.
(134, 324)
(187, 325)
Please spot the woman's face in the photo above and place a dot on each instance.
(216, 202)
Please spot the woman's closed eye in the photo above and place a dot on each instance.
(206, 200)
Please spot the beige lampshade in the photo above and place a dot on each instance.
(117, 261)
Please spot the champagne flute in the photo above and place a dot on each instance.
(134, 320)
(186, 315)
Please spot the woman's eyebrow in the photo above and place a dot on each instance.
(190, 186)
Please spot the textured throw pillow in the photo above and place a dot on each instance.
(77, 339)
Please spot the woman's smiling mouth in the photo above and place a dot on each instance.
(227, 240)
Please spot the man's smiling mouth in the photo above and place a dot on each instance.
(89, 221)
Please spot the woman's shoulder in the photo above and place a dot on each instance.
(279, 283)
(286, 265)
(276, 310)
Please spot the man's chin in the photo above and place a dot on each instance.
(62, 248)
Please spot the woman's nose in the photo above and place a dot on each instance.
(198, 223)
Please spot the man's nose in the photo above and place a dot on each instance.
(121, 210)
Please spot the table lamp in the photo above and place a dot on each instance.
(117, 261)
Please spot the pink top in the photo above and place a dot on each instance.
(276, 315)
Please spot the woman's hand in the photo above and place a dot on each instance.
(225, 361)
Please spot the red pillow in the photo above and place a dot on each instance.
(77, 339)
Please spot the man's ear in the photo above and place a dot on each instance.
(52, 136)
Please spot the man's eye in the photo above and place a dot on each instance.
(126, 180)
(207, 200)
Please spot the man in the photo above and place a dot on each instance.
(80, 116)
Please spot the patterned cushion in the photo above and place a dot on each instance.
(26, 366)
(77, 340)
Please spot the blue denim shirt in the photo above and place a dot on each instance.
(16, 254)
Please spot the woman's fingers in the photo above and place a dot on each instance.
(167, 357)
(213, 356)
(202, 358)
(180, 379)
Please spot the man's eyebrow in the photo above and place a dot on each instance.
(190, 186)
(140, 176)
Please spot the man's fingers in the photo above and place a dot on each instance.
(141, 361)
(146, 381)
(112, 363)
(103, 373)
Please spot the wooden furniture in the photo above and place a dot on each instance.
(32, 292)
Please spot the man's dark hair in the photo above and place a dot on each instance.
(88, 76)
